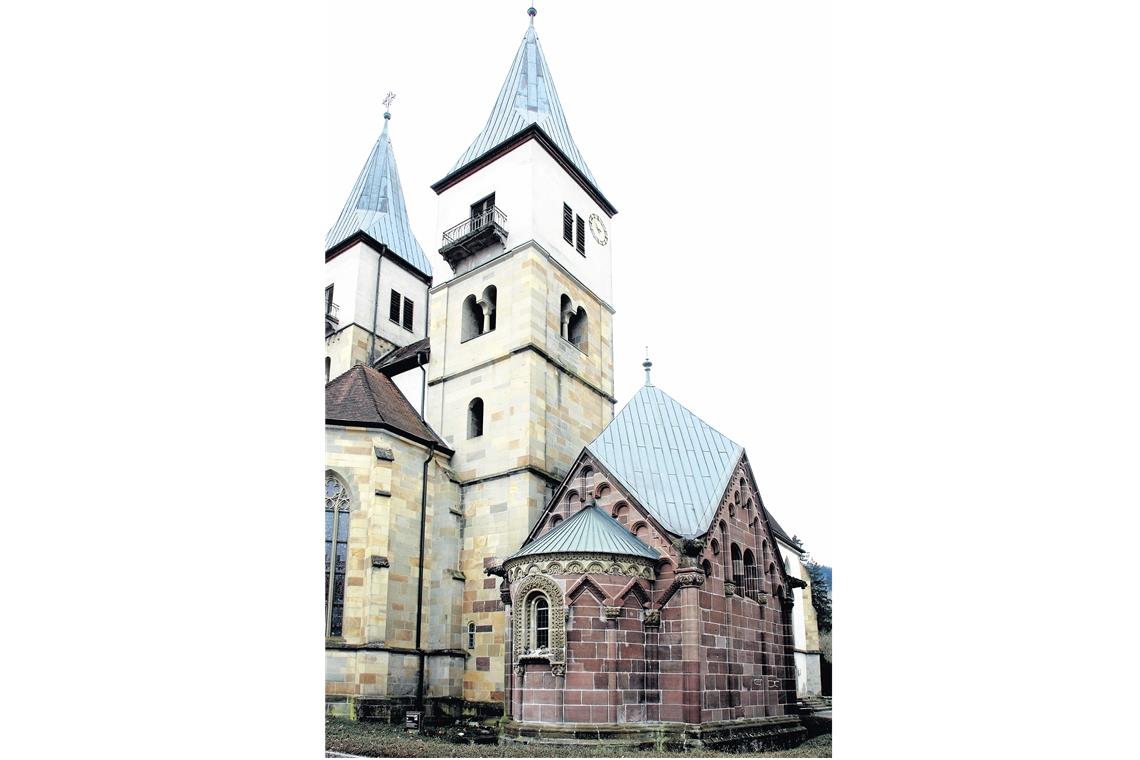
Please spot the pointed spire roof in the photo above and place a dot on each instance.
(528, 97)
(376, 207)
(589, 530)
(669, 459)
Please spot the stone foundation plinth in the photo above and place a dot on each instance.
(756, 734)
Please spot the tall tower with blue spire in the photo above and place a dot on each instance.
(377, 276)
(521, 372)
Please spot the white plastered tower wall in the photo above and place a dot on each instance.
(805, 630)
(543, 397)
(352, 273)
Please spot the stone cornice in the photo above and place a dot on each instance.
(573, 563)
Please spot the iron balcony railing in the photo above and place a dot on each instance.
(493, 219)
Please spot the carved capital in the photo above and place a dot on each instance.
(519, 669)
(558, 669)
(613, 612)
(691, 579)
(652, 618)
(729, 588)
(505, 592)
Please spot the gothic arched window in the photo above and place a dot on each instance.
(475, 418)
(336, 552)
(737, 568)
(752, 587)
(471, 635)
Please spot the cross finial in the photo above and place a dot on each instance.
(388, 103)
(648, 365)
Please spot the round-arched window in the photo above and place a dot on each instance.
(539, 622)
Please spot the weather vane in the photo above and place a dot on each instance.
(388, 102)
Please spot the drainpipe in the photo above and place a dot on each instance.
(375, 310)
(420, 588)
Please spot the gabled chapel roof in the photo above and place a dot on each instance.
(589, 530)
(362, 396)
(376, 207)
(673, 462)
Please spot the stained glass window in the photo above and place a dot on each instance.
(336, 553)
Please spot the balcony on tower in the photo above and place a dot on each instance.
(331, 318)
(485, 226)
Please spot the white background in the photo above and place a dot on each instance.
(956, 326)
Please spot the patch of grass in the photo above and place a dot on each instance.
(385, 740)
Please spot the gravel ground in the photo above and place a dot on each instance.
(384, 740)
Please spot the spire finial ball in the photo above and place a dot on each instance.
(531, 12)
(387, 116)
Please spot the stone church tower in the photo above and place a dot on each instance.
(521, 370)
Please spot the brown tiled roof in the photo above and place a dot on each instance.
(402, 359)
(363, 396)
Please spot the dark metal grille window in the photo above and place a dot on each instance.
(541, 618)
(470, 635)
(409, 308)
(336, 553)
(567, 224)
(581, 226)
(737, 567)
(752, 581)
(394, 307)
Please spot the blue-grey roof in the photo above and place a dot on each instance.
(588, 530)
(528, 97)
(669, 459)
(376, 206)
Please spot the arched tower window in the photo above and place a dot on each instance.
(336, 552)
(475, 418)
(539, 622)
(490, 295)
(472, 322)
(576, 330)
(565, 311)
(471, 635)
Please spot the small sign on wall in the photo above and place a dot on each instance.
(412, 720)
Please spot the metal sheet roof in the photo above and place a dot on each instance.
(669, 459)
(588, 530)
(376, 206)
(528, 97)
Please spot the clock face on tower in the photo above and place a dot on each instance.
(599, 229)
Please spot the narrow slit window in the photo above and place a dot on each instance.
(475, 418)
(471, 635)
(541, 620)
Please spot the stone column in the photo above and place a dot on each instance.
(687, 597)
(612, 614)
(488, 309)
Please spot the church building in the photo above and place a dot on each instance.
(497, 541)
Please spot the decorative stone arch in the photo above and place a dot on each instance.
(489, 306)
(472, 319)
(557, 616)
(641, 530)
(601, 489)
(554, 520)
(635, 588)
(585, 583)
(349, 485)
(620, 511)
